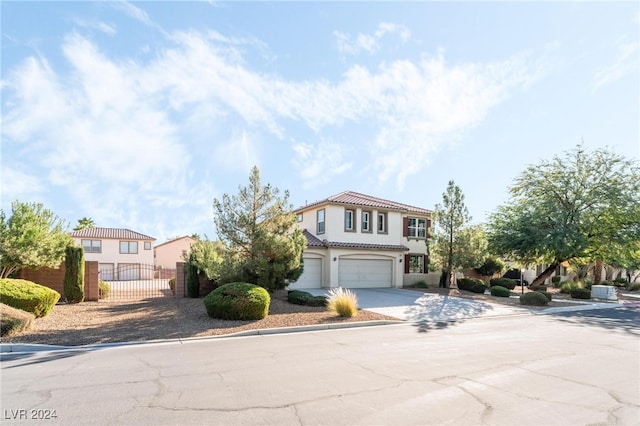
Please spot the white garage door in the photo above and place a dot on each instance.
(311, 276)
(364, 273)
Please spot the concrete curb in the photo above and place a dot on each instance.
(24, 348)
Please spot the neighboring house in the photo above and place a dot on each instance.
(356, 240)
(168, 254)
(121, 254)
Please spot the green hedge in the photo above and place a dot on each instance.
(472, 284)
(500, 291)
(547, 295)
(28, 296)
(567, 286)
(238, 301)
(14, 321)
(503, 282)
(534, 298)
(298, 297)
(580, 293)
(633, 286)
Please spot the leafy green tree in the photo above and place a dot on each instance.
(84, 223)
(490, 266)
(32, 237)
(454, 244)
(582, 205)
(74, 274)
(257, 228)
(207, 256)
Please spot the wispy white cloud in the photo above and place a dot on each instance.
(133, 12)
(17, 184)
(627, 60)
(118, 133)
(96, 25)
(240, 153)
(369, 43)
(319, 163)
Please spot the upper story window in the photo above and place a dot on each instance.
(92, 246)
(147, 245)
(349, 220)
(320, 226)
(299, 217)
(417, 228)
(382, 223)
(365, 223)
(128, 247)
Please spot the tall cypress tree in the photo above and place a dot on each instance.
(74, 274)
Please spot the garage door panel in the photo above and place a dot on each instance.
(365, 273)
(311, 276)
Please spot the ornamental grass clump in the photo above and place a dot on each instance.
(343, 302)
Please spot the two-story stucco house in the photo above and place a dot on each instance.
(168, 253)
(121, 254)
(356, 240)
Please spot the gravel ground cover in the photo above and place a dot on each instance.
(170, 318)
(163, 318)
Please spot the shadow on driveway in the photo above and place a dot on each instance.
(437, 312)
(425, 311)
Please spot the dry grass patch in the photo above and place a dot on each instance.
(343, 302)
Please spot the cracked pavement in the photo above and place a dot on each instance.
(520, 370)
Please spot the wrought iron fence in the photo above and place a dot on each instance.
(136, 281)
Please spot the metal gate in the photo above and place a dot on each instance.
(129, 281)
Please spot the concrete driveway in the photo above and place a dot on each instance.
(418, 307)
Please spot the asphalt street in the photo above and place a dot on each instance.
(571, 368)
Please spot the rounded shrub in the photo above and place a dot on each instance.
(14, 321)
(620, 282)
(298, 297)
(534, 298)
(580, 293)
(28, 296)
(507, 283)
(500, 291)
(633, 286)
(479, 288)
(238, 301)
(547, 295)
(469, 284)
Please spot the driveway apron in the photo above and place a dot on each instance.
(418, 307)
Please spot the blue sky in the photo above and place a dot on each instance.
(138, 114)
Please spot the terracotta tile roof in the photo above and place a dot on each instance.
(110, 233)
(356, 199)
(315, 242)
(312, 240)
(397, 247)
